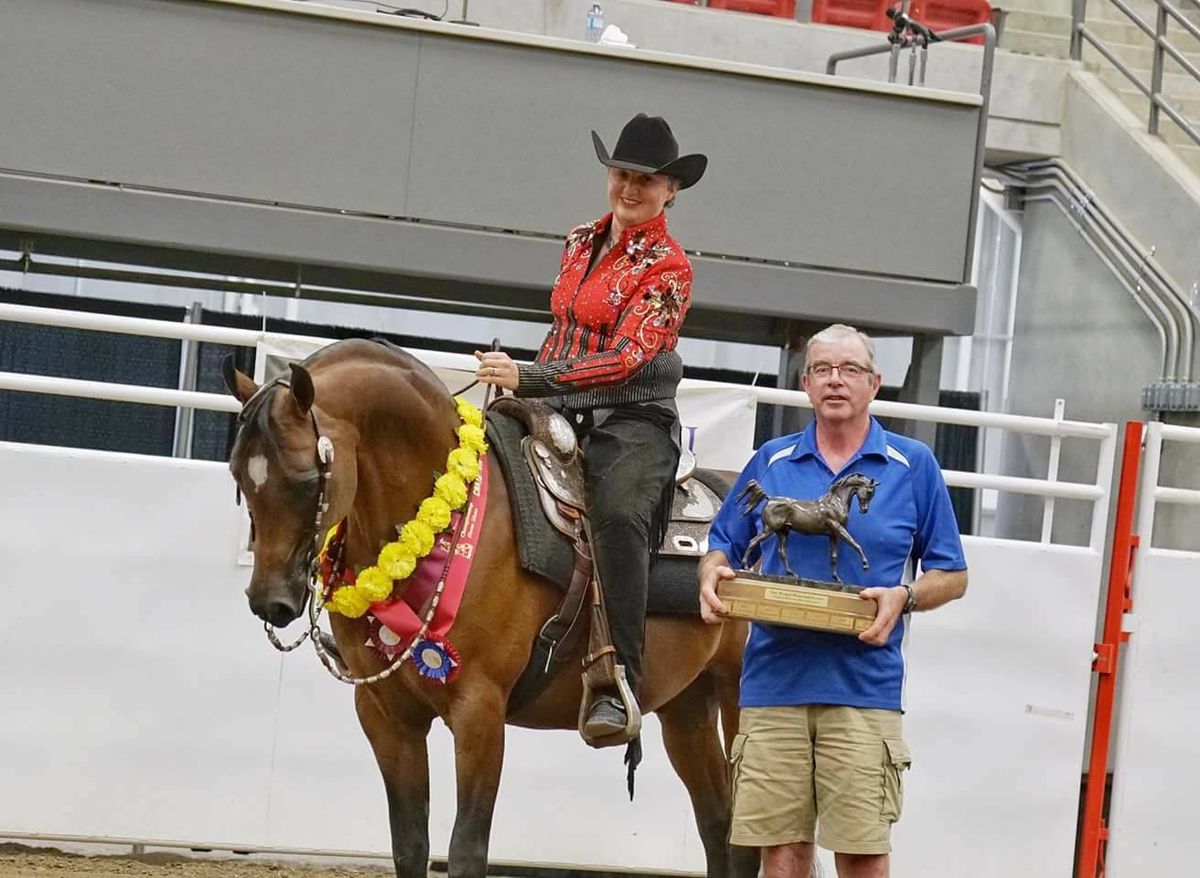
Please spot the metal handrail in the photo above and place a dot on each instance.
(1177, 324)
(1140, 265)
(892, 47)
(1081, 33)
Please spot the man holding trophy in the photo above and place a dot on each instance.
(820, 754)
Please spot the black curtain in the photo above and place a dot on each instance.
(95, 356)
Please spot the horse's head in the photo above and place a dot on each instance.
(284, 447)
(863, 488)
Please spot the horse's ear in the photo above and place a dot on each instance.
(240, 385)
(302, 388)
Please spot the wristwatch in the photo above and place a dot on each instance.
(911, 603)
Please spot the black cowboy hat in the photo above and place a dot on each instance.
(646, 144)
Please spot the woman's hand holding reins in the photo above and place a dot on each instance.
(497, 368)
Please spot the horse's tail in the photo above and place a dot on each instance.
(753, 494)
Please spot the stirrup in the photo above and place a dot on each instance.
(633, 716)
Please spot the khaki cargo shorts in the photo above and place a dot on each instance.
(822, 773)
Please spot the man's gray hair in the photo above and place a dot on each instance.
(838, 332)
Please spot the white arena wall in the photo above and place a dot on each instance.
(143, 701)
(1157, 772)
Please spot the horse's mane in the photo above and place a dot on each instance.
(254, 420)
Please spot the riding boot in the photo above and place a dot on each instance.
(630, 460)
(622, 561)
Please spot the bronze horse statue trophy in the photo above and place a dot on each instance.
(356, 436)
(825, 515)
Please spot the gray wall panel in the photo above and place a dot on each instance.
(368, 114)
(211, 99)
(798, 172)
(465, 265)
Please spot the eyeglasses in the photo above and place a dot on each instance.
(846, 370)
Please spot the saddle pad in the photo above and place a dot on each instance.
(545, 552)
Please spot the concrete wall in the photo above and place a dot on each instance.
(1069, 311)
(1079, 334)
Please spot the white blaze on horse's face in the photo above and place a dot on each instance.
(256, 470)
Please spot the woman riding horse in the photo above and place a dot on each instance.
(609, 364)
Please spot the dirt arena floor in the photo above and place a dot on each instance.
(21, 861)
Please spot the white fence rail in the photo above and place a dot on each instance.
(1056, 428)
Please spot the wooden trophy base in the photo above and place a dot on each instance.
(800, 603)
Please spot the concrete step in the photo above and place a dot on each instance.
(1191, 155)
(1036, 22)
(1189, 108)
(1060, 8)
(1122, 31)
(1103, 10)
(1140, 55)
(1139, 104)
(1035, 43)
(1173, 134)
(1176, 86)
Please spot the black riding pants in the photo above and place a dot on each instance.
(630, 456)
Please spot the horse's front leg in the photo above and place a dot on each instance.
(845, 535)
(477, 720)
(754, 544)
(403, 758)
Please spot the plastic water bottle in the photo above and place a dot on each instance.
(595, 23)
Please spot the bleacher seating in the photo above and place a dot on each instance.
(866, 14)
(775, 8)
(938, 15)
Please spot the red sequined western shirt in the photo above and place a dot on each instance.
(614, 332)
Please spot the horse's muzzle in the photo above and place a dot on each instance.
(275, 605)
(277, 613)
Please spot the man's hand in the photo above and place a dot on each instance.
(713, 568)
(891, 603)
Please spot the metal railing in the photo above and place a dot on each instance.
(908, 33)
(1055, 429)
(1081, 32)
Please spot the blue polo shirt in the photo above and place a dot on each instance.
(910, 521)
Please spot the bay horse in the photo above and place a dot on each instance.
(825, 515)
(392, 423)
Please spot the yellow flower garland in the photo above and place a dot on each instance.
(398, 559)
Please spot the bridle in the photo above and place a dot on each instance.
(315, 598)
(324, 453)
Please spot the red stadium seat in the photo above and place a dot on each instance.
(940, 15)
(866, 14)
(777, 8)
